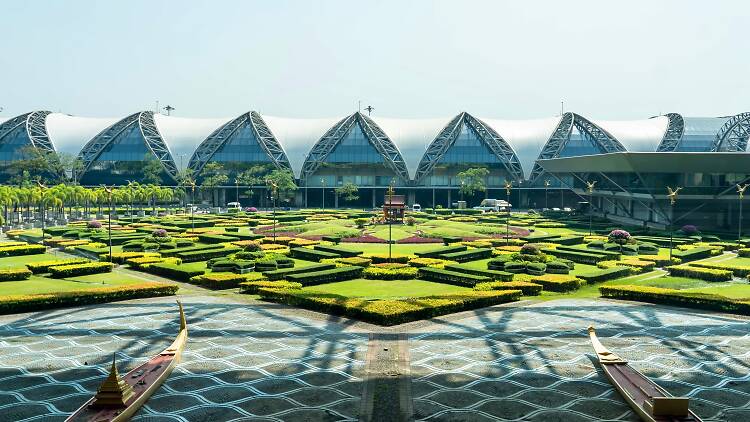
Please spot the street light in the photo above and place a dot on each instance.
(389, 214)
(508, 186)
(672, 195)
(109, 220)
(546, 187)
(323, 183)
(192, 206)
(274, 194)
(741, 192)
(590, 190)
(44, 206)
(237, 189)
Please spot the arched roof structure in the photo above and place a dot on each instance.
(30, 126)
(485, 133)
(733, 135)
(392, 158)
(228, 132)
(144, 126)
(602, 140)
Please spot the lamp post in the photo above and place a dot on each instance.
(237, 190)
(546, 187)
(109, 220)
(590, 190)
(323, 183)
(672, 195)
(508, 186)
(44, 206)
(741, 192)
(274, 194)
(192, 206)
(390, 219)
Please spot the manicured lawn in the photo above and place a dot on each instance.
(382, 248)
(21, 261)
(37, 284)
(380, 289)
(399, 231)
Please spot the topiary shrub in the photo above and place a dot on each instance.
(557, 267)
(392, 271)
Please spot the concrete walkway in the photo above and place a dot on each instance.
(249, 360)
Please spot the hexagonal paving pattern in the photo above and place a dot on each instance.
(536, 362)
(249, 362)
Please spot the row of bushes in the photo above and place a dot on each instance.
(15, 274)
(580, 257)
(282, 273)
(434, 253)
(27, 303)
(173, 271)
(451, 277)
(528, 289)
(390, 272)
(606, 274)
(493, 274)
(222, 281)
(326, 276)
(19, 250)
(206, 254)
(252, 287)
(43, 267)
(693, 254)
(389, 311)
(676, 297)
(558, 282)
(74, 270)
(343, 252)
(738, 270)
(312, 254)
(467, 255)
(706, 274)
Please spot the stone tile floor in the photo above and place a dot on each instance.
(248, 361)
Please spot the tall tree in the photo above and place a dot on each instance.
(473, 180)
(152, 171)
(349, 191)
(213, 175)
(284, 180)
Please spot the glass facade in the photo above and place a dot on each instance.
(354, 160)
(11, 147)
(122, 160)
(699, 134)
(241, 152)
(579, 145)
(468, 151)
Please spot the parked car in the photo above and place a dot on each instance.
(493, 205)
(234, 205)
(416, 208)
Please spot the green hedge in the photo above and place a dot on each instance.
(74, 270)
(614, 253)
(205, 255)
(342, 252)
(312, 254)
(42, 267)
(676, 298)
(15, 274)
(252, 287)
(333, 239)
(568, 240)
(223, 281)
(662, 241)
(433, 253)
(737, 270)
(282, 273)
(493, 274)
(389, 311)
(692, 254)
(451, 277)
(706, 274)
(175, 272)
(375, 272)
(326, 276)
(22, 250)
(605, 275)
(578, 257)
(468, 255)
(232, 265)
(537, 238)
(174, 252)
(26, 303)
(528, 289)
(216, 238)
(558, 267)
(558, 283)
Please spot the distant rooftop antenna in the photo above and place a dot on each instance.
(369, 109)
(169, 109)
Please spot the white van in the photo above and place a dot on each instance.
(416, 208)
(233, 205)
(493, 205)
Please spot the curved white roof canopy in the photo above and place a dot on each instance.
(297, 136)
(526, 137)
(637, 135)
(411, 136)
(70, 133)
(183, 135)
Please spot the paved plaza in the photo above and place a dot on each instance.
(249, 360)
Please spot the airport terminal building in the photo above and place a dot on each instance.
(631, 161)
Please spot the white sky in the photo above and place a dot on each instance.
(503, 59)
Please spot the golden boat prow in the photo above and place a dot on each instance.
(649, 401)
(119, 398)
